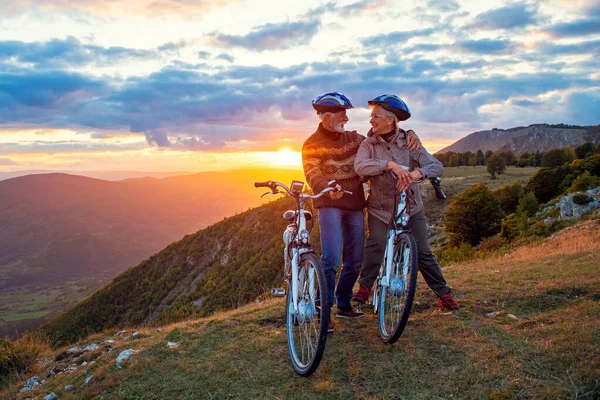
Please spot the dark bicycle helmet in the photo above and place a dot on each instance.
(393, 104)
(331, 102)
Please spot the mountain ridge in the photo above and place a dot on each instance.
(519, 140)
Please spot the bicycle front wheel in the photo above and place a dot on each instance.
(397, 294)
(307, 325)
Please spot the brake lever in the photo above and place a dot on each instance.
(265, 193)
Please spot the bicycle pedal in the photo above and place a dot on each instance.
(278, 292)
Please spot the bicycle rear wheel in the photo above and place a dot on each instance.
(396, 299)
(307, 327)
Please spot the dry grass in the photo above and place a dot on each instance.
(549, 349)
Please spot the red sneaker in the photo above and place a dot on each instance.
(447, 302)
(362, 296)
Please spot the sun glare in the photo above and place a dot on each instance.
(285, 157)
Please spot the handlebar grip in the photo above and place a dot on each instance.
(263, 184)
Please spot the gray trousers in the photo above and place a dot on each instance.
(375, 248)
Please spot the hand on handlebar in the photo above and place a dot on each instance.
(337, 194)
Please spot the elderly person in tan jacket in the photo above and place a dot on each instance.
(383, 150)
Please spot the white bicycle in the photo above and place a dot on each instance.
(394, 289)
(307, 315)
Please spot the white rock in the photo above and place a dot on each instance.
(88, 380)
(69, 388)
(91, 347)
(124, 356)
(50, 396)
(172, 344)
(73, 350)
(512, 316)
(120, 333)
(493, 314)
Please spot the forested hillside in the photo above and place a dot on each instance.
(223, 266)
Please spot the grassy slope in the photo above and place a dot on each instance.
(549, 351)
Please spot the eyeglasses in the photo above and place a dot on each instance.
(375, 116)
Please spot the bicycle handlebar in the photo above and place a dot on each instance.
(273, 184)
(263, 184)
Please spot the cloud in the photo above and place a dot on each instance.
(203, 55)
(584, 106)
(443, 6)
(7, 161)
(526, 103)
(581, 27)
(362, 7)
(58, 53)
(486, 46)
(226, 57)
(119, 8)
(271, 36)
(395, 38)
(516, 16)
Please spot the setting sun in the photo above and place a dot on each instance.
(285, 157)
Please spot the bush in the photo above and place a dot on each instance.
(491, 243)
(17, 357)
(508, 196)
(452, 254)
(592, 164)
(584, 182)
(582, 199)
(528, 205)
(473, 215)
(512, 226)
(556, 157)
(545, 184)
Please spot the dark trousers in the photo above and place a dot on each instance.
(375, 248)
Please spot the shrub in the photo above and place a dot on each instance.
(545, 183)
(592, 164)
(556, 157)
(491, 243)
(528, 205)
(452, 254)
(508, 196)
(582, 199)
(584, 182)
(17, 357)
(512, 226)
(473, 215)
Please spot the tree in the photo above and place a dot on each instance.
(473, 215)
(509, 157)
(488, 154)
(592, 165)
(453, 161)
(583, 182)
(480, 157)
(556, 157)
(546, 182)
(528, 205)
(508, 196)
(495, 165)
(585, 150)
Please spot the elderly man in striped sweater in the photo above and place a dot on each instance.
(328, 154)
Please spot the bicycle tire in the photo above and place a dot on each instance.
(395, 301)
(307, 332)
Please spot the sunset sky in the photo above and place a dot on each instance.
(184, 85)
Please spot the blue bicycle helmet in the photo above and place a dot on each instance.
(331, 102)
(393, 104)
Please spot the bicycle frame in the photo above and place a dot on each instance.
(296, 237)
(398, 225)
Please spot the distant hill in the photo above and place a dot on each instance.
(105, 175)
(538, 137)
(221, 267)
(74, 234)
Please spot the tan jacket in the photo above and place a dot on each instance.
(371, 159)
